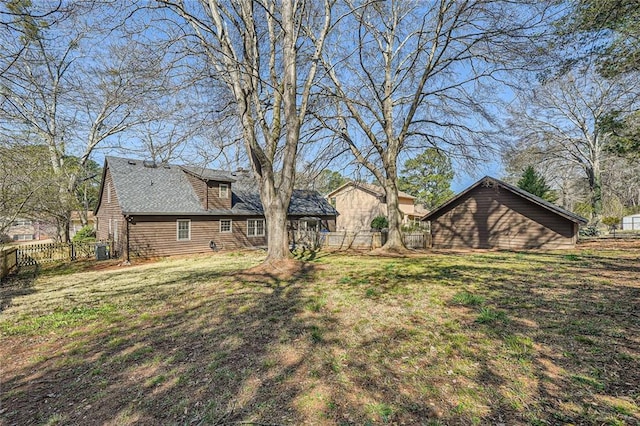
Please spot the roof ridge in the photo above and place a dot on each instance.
(371, 187)
(514, 189)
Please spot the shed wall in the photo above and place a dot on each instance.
(493, 217)
(631, 223)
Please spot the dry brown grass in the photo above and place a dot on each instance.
(446, 338)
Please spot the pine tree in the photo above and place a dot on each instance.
(535, 184)
(428, 177)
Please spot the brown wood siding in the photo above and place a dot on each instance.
(215, 202)
(493, 217)
(110, 210)
(209, 193)
(199, 187)
(157, 235)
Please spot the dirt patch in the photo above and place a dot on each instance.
(610, 243)
(281, 270)
(391, 252)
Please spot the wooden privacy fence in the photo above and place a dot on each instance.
(8, 260)
(34, 254)
(416, 240)
(367, 240)
(351, 240)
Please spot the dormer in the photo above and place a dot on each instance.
(212, 187)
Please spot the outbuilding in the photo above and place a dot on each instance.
(631, 223)
(492, 214)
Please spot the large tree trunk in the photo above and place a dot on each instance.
(275, 212)
(595, 193)
(267, 91)
(394, 238)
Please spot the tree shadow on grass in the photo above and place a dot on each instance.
(257, 347)
(583, 326)
(562, 347)
(229, 352)
(17, 285)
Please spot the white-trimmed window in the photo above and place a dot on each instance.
(225, 226)
(255, 227)
(23, 237)
(224, 190)
(183, 229)
(21, 222)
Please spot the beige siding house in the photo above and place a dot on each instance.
(359, 203)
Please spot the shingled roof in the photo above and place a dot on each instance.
(149, 189)
(374, 190)
(487, 180)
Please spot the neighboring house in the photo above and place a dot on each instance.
(25, 230)
(631, 223)
(159, 210)
(359, 203)
(494, 214)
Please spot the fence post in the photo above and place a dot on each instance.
(5, 268)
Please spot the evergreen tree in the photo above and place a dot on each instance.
(328, 181)
(428, 178)
(535, 184)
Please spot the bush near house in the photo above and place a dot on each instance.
(85, 234)
(379, 222)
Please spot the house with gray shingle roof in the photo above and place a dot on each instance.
(152, 209)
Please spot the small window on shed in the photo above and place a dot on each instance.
(224, 190)
(332, 201)
(183, 227)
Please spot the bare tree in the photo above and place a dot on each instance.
(17, 19)
(562, 120)
(21, 181)
(75, 85)
(267, 53)
(411, 75)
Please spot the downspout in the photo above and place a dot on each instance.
(127, 220)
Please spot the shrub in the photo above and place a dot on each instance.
(85, 234)
(589, 231)
(379, 222)
(611, 221)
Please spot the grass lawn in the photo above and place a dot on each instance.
(539, 338)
